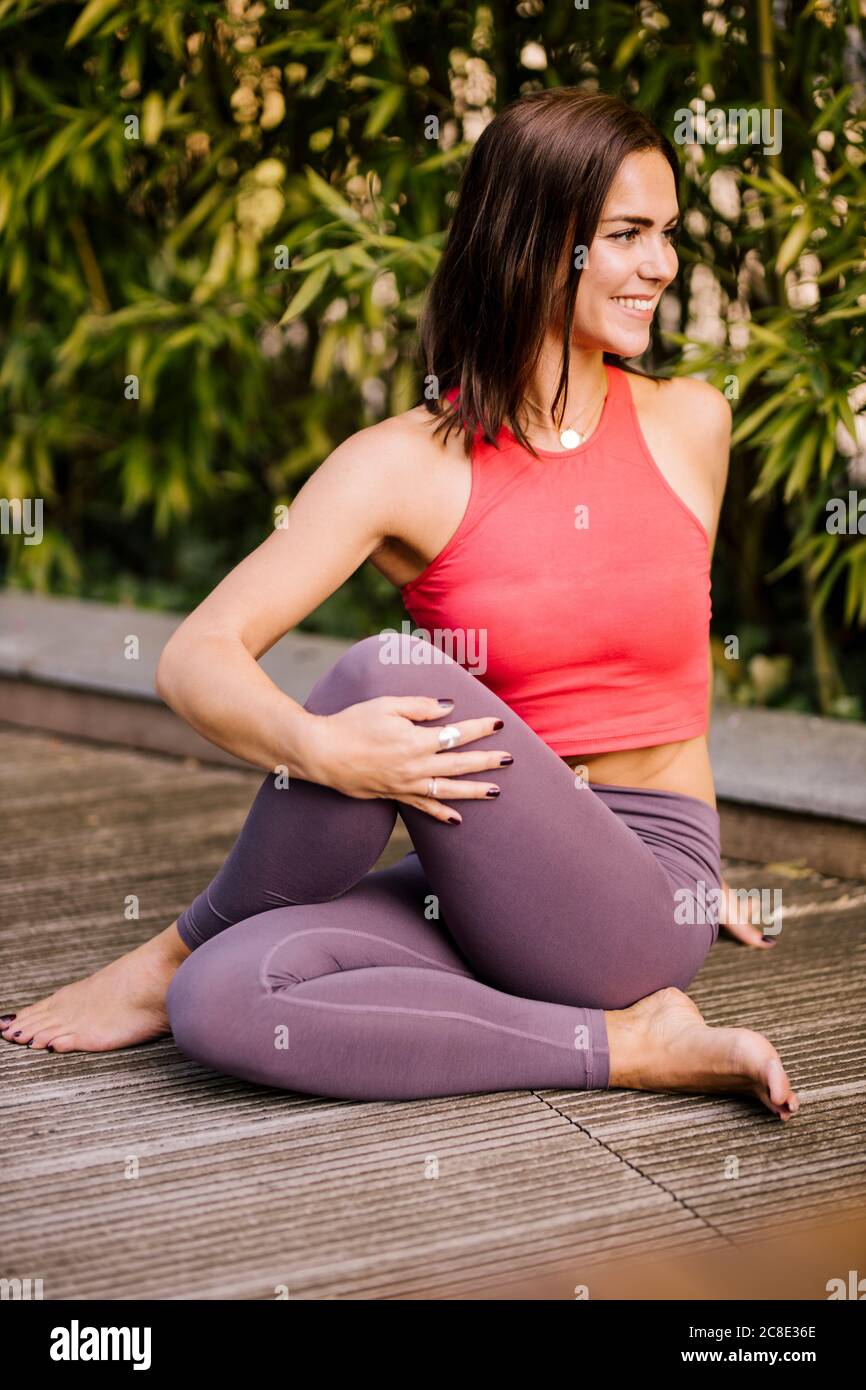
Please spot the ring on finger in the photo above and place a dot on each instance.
(431, 788)
(448, 736)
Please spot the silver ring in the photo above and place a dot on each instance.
(431, 787)
(448, 736)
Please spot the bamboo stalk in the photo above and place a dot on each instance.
(90, 266)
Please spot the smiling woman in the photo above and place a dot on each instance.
(559, 950)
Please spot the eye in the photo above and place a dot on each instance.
(628, 236)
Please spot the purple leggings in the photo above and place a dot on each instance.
(483, 960)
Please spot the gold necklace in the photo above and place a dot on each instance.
(569, 437)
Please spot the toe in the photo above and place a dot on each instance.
(777, 1083)
(22, 1029)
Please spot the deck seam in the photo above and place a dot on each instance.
(639, 1171)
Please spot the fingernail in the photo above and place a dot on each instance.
(492, 791)
(499, 724)
(444, 702)
(503, 762)
(453, 820)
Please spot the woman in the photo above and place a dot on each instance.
(560, 512)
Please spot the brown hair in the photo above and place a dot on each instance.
(535, 182)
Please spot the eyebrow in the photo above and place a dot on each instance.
(633, 217)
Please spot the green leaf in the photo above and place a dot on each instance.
(386, 105)
(309, 290)
(784, 185)
(846, 414)
(794, 242)
(757, 417)
(152, 117)
(91, 16)
(627, 49)
(857, 312)
(828, 453)
(330, 197)
(825, 117)
(802, 466)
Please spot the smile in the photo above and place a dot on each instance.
(643, 307)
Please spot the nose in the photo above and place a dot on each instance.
(659, 263)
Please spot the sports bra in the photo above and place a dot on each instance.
(577, 588)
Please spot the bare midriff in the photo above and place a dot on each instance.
(674, 767)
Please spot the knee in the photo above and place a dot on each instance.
(367, 669)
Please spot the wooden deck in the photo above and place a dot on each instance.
(241, 1190)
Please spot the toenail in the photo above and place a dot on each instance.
(30, 1044)
(49, 1048)
(7, 1018)
(18, 1032)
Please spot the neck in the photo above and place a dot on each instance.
(586, 381)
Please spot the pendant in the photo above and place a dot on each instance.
(570, 439)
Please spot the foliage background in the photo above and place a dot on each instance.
(256, 254)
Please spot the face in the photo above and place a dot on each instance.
(631, 259)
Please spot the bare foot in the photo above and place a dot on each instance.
(122, 1004)
(663, 1044)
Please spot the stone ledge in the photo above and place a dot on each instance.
(789, 786)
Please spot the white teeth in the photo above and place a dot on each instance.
(643, 304)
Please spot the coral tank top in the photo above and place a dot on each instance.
(577, 587)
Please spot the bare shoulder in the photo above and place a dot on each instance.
(385, 463)
(688, 403)
(693, 414)
(393, 446)
(401, 484)
(686, 424)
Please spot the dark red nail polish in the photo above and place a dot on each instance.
(30, 1044)
(503, 762)
(7, 1018)
(492, 791)
(499, 724)
(453, 820)
(444, 702)
(18, 1032)
(49, 1048)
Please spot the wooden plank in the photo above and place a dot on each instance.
(242, 1188)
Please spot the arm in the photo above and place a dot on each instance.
(208, 671)
(209, 674)
(716, 418)
(709, 686)
(712, 417)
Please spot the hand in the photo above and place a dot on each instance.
(373, 749)
(738, 918)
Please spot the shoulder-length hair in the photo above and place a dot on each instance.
(535, 183)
